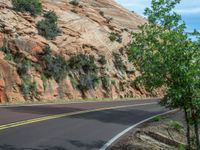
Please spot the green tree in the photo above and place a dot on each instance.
(166, 57)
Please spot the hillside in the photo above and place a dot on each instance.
(86, 29)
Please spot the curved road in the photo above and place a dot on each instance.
(82, 131)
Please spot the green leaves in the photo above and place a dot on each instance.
(166, 57)
(161, 13)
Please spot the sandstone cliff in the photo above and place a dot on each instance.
(84, 29)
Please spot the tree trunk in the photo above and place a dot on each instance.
(188, 130)
(196, 130)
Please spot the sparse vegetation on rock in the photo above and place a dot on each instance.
(21, 26)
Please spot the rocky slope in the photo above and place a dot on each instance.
(84, 29)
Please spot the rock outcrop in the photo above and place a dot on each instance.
(84, 29)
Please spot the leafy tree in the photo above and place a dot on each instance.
(167, 57)
(48, 27)
(32, 6)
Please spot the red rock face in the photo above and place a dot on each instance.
(1, 40)
(84, 29)
(9, 81)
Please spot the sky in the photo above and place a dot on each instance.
(189, 9)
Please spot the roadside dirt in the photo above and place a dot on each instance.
(162, 133)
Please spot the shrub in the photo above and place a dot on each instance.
(176, 125)
(87, 69)
(74, 83)
(112, 36)
(28, 87)
(9, 56)
(51, 16)
(115, 37)
(118, 62)
(48, 27)
(54, 67)
(74, 11)
(157, 119)
(105, 82)
(101, 13)
(23, 66)
(34, 7)
(109, 19)
(25, 88)
(7, 52)
(102, 60)
(180, 147)
(33, 88)
(88, 81)
(74, 2)
(113, 82)
(44, 80)
(83, 63)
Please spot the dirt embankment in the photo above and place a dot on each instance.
(162, 133)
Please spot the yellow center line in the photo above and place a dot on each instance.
(45, 118)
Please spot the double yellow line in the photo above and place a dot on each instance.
(40, 119)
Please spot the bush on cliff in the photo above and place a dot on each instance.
(83, 63)
(54, 66)
(48, 27)
(85, 66)
(34, 7)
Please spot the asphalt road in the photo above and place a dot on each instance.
(88, 131)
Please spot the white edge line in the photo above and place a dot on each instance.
(111, 141)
